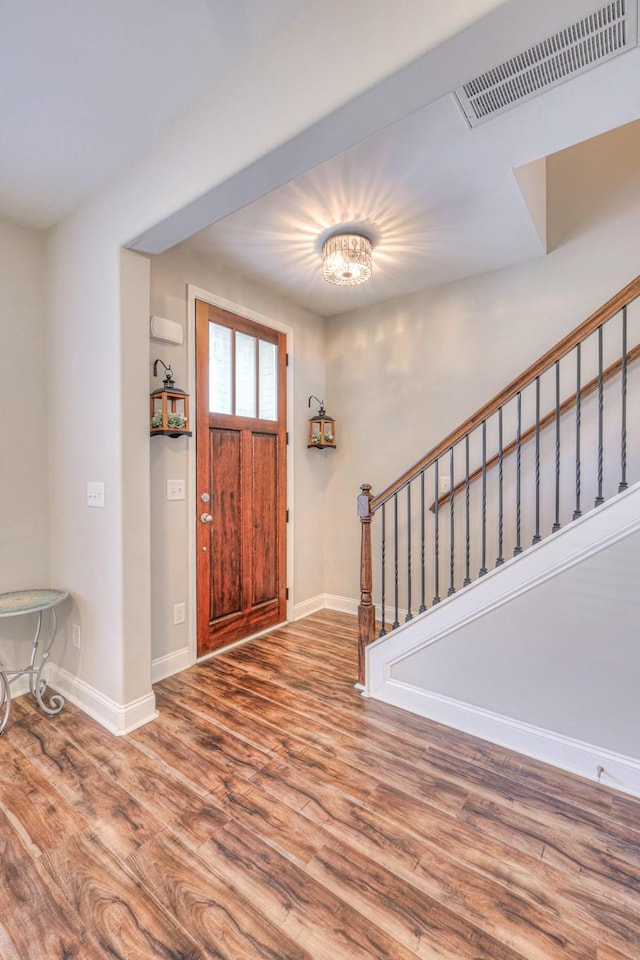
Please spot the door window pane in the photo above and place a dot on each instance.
(245, 375)
(219, 368)
(268, 396)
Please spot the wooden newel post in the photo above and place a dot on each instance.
(366, 610)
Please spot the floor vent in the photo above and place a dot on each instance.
(592, 40)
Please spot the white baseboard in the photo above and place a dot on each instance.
(171, 663)
(307, 607)
(117, 718)
(585, 759)
(325, 601)
(341, 604)
(20, 686)
(349, 605)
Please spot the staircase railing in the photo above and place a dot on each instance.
(537, 486)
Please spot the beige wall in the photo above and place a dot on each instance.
(404, 373)
(24, 495)
(136, 578)
(263, 106)
(83, 292)
(170, 274)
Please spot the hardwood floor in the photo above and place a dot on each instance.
(271, 812)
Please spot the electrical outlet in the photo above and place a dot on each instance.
(76, 636)
(445, 484)
(179, 613)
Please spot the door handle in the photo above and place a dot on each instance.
(206, 518)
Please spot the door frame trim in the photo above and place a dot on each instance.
(197, 293)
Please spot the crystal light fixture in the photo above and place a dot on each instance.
(346, 259)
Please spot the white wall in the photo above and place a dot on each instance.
(263, 106)
(24, 495)
(541, 656)
(522, 661)
(404, 373)
(24, 543)
(170, 274)
(136, 574)
(552, 671)
(87, 543)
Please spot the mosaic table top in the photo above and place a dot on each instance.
(29, 601)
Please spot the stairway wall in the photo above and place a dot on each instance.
(542, 656)
(402, 374)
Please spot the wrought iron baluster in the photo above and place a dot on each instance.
(600, 499)
(500, 558)
(578, 512)
(556, 523)
(483, 568)
(536, 536)
(396, 622)
(422, 606)
(467, 549)
(436, 538)
(452, 588)
(383, 551)
(409, 615)
(518, 547)
(623, 437)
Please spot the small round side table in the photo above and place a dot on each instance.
(19, 603)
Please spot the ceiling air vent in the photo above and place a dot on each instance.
(592, 40)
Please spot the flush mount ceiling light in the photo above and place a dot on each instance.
(346, 259)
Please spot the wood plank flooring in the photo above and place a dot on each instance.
(271, 812)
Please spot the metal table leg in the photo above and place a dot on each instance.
(5, 700)
(37, 685)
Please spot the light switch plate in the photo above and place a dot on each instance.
(175, 489)
(95, 493)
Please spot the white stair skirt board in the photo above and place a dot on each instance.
(393, 661)
(585, 759)
(118, 718)
(169, 664)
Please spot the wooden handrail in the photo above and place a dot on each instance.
(563, 347)
(548, 419)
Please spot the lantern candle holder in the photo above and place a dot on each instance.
(169, 407)
(322, 428)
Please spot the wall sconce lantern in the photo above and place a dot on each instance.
(169, 407)
(322, 428)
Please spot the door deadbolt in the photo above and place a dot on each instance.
(205, 497)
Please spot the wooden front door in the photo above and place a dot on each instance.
(241, 477)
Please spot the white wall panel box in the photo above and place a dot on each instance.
(166, 330)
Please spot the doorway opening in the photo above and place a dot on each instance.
(240, 470)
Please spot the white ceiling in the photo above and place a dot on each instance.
(439, 200)
(88, 85)
(437, 204)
